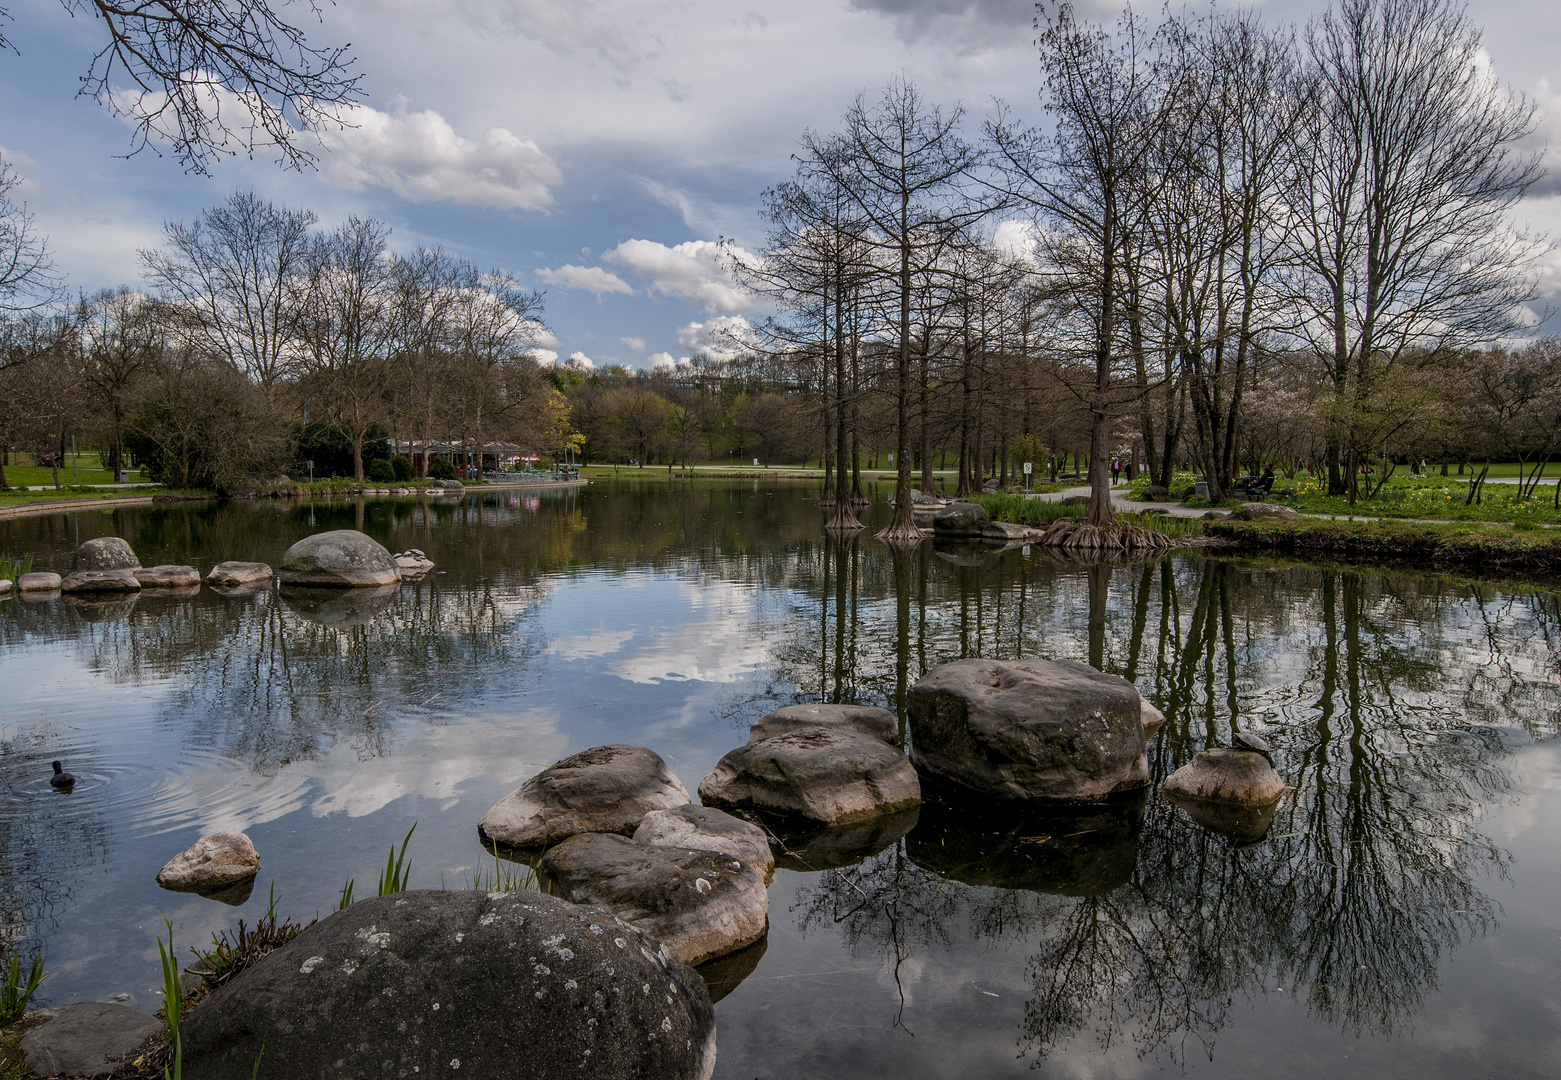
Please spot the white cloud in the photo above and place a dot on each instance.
(1016, 239)
(545, 357)
(587, 278)
(694, 271)
(568, 28)
(581, 362)
(722, 338)
(592, 645)
(661, 361)
(419, 156)
(714, 644)
(633, 344)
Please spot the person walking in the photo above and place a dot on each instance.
(1116, 470)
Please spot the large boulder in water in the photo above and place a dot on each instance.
(463, 983)
(1228, 776)
(1028, 729)
(707, 829)
(604, 789)
(341, 558)
(105, 553)
(863, 719)
(960, 519)
(831, 776)
(700, 904)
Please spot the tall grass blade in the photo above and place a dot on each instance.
(397, 870)
(173, 1003)
(15, 993)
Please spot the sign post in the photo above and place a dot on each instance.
(1027, 471)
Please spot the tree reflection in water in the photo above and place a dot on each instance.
(1384, 697)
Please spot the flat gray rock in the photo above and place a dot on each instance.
(1029, 729)
(341, 558)
(825, 775)
(87, 1039)
(105, 553)
(709, 829)
(38, 582)
(1005, 530)
(862, 719)
(211, 864)
(233, 575)
(700, 904)
(459, 984)
(1226, 775)
(603, 789)
(168, 577)
(99, 581)
(1258, 511)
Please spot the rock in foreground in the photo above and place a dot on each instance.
(705, 828)
(340, 559)
(1029, 729)
(465, 983)
(825, 775)
(211, 864)
(700, 904)
(235, 575)
(1229, 776)
(105, 553)
(90, 1038)
(604, 789)
(863, 719)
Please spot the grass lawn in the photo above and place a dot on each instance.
(89, 471)
(1432, 497)
(23, 498)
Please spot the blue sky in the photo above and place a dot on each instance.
(568, 141)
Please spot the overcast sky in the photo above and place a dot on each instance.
(596, 148)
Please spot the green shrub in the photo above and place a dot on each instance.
(402, 468)
(442, 470)
(381, 472)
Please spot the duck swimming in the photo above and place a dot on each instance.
(61, 780)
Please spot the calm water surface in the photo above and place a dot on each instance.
(1402, 917)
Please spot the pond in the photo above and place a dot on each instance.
(1399, 919)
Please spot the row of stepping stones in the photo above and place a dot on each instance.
(613, 826)
(343, 558)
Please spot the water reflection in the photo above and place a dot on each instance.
(1384, 698)
(672, 616)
